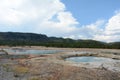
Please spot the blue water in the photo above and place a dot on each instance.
(32, 51)
(88, 59)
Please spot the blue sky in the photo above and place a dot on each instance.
(88, 11)
(77, 19)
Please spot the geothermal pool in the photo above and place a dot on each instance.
(89, 59)
(36, 52)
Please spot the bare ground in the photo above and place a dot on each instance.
(49, 68)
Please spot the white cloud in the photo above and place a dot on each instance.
(9, 13)
(51, 18)
(88, 31)
(111, 32)
(113, 25)
(65, 25)
(37, 12)
(100, 30)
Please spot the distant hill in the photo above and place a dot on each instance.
(32, 39)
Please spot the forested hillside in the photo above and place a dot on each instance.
(32, 39)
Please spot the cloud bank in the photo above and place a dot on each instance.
(50, 17)
(112, 30)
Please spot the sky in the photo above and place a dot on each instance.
(76, 19)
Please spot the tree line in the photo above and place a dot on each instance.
(32, 39)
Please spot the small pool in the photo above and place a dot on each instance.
(36, 52)
(89, 59)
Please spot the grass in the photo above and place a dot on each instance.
(6, 67)
(21, 69)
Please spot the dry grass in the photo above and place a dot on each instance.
(21, 69)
